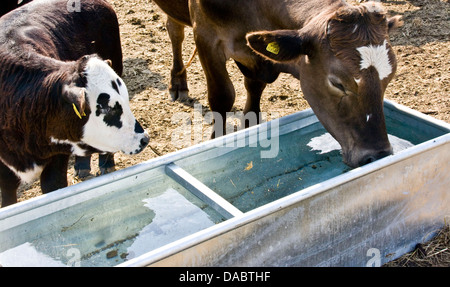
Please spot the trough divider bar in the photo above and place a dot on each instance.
(203, 192)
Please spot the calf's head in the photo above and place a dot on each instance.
(100, 102)
(345, 62)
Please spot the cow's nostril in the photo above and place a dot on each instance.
(145, 141)
(368, 160)
(374, 157)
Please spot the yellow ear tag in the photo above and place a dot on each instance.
(77, 112)
(273, 48)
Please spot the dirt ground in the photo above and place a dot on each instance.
(422, 81)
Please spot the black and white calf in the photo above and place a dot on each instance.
(82, 165)
(57, 95)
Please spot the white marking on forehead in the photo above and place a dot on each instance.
(374, 7)
(376, 56)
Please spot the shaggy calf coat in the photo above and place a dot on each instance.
(47, 96)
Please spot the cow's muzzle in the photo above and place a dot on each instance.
(359, 158)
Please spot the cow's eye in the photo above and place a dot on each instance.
(102, 110)
(338, 85)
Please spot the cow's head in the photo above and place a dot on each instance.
(100, 102)
(346, 62)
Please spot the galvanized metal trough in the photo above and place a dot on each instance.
(276, 194)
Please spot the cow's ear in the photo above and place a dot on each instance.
(281, 45)
(76, 97)
(394, 23)
(109, 62)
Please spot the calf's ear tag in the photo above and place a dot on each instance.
(273, 48)
(77, 112)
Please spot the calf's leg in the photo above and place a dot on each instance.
(9, 183)
(106, 163)
(54, 175)
(82, 166)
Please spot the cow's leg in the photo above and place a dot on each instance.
(54, 175)
(106, 163)
(221, 93)
(82, 166)
(9, 183)
(178, 88)
(252, 106)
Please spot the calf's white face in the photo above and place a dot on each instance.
(111, 126)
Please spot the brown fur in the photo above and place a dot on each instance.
(352, 27)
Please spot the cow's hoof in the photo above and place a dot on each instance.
(179, 95)
(82, 173)
(106, 170)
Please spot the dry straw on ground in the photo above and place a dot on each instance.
(434, 253)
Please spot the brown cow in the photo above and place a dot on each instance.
(340, 53)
